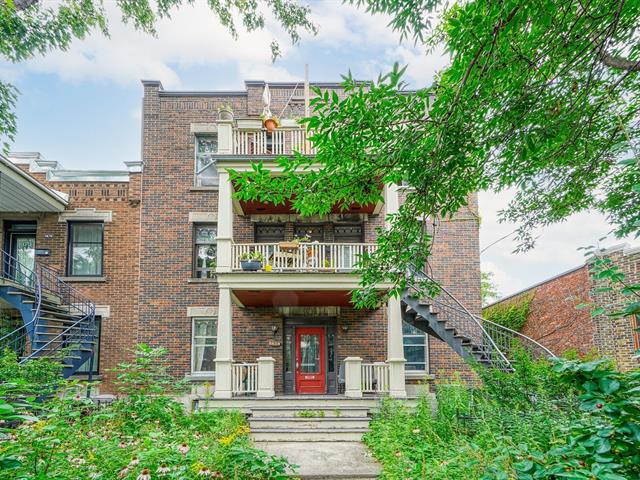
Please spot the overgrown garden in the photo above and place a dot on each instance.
(48, 431)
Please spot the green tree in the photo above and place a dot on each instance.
(488, 288)
(35, 27)
(540, 96)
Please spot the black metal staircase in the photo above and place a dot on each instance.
(58, 322)
(471, 336)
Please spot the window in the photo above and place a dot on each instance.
(85, 249)
(204, 251)
(415, 348)
(203, 350)
(93, 365)
(206, 168)
(635, 325)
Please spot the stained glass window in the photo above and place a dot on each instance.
(206, 168)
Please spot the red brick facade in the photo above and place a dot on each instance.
(555, 321)
(148, 246)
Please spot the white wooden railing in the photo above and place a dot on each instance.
(244, 378)
(287, 256)
(281, 142)
(375, 377)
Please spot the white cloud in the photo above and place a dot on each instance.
(556, 248)
(421, 66)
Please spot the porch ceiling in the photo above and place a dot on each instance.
(293, 298)
(20, 192)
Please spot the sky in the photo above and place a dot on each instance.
(82, 107)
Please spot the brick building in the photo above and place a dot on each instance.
(554, 320)
(159, 248)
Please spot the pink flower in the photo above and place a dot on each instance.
(183, 449)
(124, 472)
(122, 445)
(134, 461)
(204, 472)
(217, 475)
(163, 469)
(145, 474)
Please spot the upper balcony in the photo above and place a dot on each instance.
(249, 138)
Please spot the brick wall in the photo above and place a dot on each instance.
(119, 290)
(614, 337)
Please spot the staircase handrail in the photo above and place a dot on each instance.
(485, 334)
(10, 262)
(526, 338)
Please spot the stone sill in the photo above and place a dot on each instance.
(209, 377)
(83, 279)
(202, 280)
(204, 189)
(419, 375)
(85, 376)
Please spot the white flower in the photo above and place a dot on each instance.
(416, 430)
(204, 472)
(163, 468)
(94, 475)
(184, 448)
(124, 472)
(134, 461)
(145, 474)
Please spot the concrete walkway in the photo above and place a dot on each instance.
(326, 460)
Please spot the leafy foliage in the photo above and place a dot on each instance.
(35, 27)
(512, 313)
(571, 419)
(145, 434)
(488, 288)
(540, 96)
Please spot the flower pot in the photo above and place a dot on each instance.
(270, 124)
(251, 265)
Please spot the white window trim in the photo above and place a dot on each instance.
(194, 373)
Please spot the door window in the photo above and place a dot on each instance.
(310, 353)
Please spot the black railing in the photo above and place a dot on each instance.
(45, 281)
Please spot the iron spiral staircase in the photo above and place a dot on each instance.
(57, 321)
(471, 336)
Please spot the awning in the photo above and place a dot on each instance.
(19, 192)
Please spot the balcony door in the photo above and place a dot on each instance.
(310, 360)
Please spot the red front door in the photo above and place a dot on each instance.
(310, 361)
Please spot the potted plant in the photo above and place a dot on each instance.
(270, 122)
(251, 261)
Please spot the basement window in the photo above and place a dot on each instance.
(416, 348)
(206, 174)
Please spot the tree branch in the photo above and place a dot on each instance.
(620, 63)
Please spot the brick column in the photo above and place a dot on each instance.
(224, 346)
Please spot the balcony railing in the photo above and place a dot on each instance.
(304, 257)
(283, 141)
(375, 377)
(244, 378)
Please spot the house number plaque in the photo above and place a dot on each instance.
(274, 343)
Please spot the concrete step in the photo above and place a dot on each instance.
(303, 402)
(322, 411)
(308, 434)
(328, 423)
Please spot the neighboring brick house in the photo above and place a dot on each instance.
(555, 321)
(172, 237)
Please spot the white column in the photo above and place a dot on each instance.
(225, 137)
(224, 346)
(353, 377)
(395, 349)
(266, 373)
(225, 223)
(391, 201)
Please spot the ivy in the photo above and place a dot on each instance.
(512, 314)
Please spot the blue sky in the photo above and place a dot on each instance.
(82, 107)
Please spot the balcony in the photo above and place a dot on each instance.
(303, 257)
(283, 141)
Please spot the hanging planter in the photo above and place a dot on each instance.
(271, 123)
